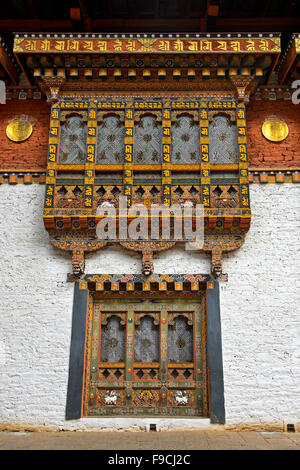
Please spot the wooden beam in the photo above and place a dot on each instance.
(75, 14)
(35, 25)
(211, 14)
(31, 7)
(84, 15)
(257, 24)
(156, 25)
(264, 8)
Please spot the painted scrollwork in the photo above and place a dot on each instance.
(145, 398)
(66, 114)
(139, 114)
(77, 243)
(187, 315)
(139, 316)
(106, 315)
(193, 114)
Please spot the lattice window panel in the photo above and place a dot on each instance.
(147, 141)
(185, 140)
(110, 141)
(72, 145)
(222, 141)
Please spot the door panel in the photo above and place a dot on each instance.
(146, 357)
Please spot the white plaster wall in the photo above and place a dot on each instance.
(259, 309)
(260, 312)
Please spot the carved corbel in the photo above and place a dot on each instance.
(216, 262)
(77, 244)
(244, 86)
(147, 262)
(51, 87)
(78, 263)
(216, 245)
(147, 248)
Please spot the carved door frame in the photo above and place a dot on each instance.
(213, 403)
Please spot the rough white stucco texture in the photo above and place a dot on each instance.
(259, 313)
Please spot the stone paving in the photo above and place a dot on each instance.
(168, 440)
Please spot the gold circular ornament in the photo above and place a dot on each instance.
(19, 130)
(275, 129)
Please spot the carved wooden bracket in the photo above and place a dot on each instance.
(77, 244)
(147, 248)
(147, 262)
(216, 262)
(216, 245)
(244, 86)
(51, 87)
(78, 263)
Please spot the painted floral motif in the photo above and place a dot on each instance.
(146, 398)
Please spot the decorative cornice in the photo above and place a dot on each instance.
(8, 62)
(22, 176)
(289, 59)
(117, 282)
(272, 93)
(256, 175)
(274, 175)
(142, 43)
(147, 35)
(23, 93)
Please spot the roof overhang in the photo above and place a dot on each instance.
(289, 66)
(94, 55)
